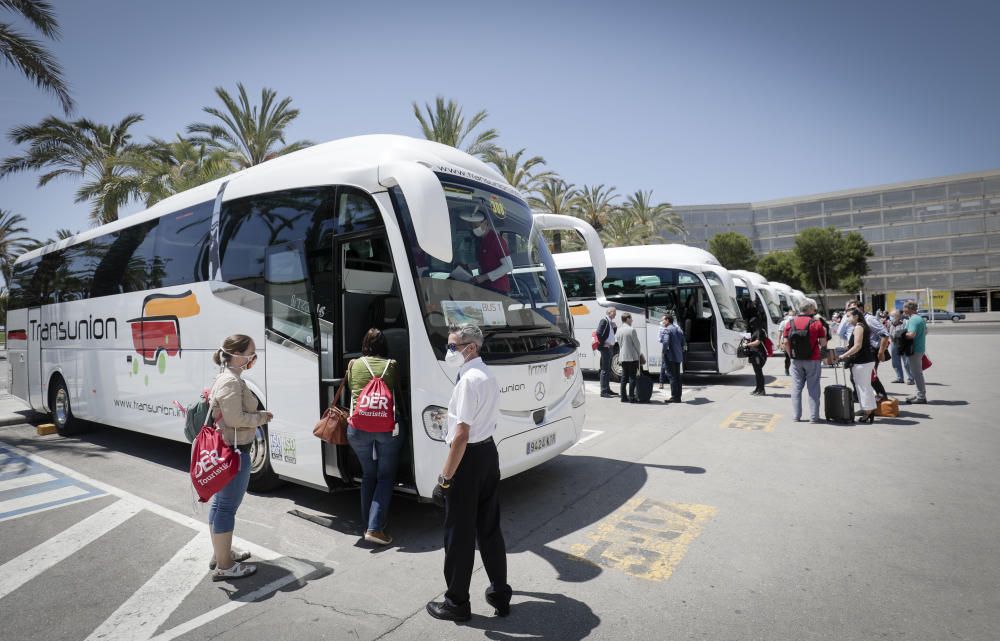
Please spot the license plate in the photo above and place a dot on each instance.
(541, 443)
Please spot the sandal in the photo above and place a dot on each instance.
(237, 557)
(238, 571)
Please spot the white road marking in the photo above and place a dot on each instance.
(164, 607)
(25, 481)
(21, 569)
(153, 603)
(593, 434)
(40, 498)
(82, 499)
(297, 572)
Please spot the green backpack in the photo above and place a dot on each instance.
(196, 415)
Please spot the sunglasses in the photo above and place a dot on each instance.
(453, 347)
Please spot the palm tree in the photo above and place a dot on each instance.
(446, 124)
(555, 196)
(248, 133)
(657, 218)
(518, 174)
(623, 229)
(14, 241)
(28, 55)
(169, 168)
(84, 149)
(595, 203)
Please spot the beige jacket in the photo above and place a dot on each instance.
(238, 406)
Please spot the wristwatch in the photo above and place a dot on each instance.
(443, 482)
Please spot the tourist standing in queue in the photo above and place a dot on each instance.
(916, 331)
(630, 357)
(805, 339)
(879, 339)
(757, 355)
(860, 355)
(900, 363)
(607, 340)
(237, 417)
(469, 482)
(789, 315)
(672, 341)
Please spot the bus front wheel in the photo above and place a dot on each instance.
(262, 475)
(616, 368)
(62, 412)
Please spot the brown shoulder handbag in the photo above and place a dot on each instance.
(332, 427)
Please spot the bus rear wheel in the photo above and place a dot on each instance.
(62, 412)
(262, 475)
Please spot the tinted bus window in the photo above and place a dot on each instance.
(578, 283)
(21, 292)
(127, 257)
(182, 246)
(250, 225)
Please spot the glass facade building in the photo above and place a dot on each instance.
(941, 234)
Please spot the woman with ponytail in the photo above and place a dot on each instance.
(235, 408)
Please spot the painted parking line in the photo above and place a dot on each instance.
(592, 434)
(138, 618)
(751, 421)
(28, 486)
(645, 538)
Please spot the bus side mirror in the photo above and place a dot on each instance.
(594, 246)
(426, 202)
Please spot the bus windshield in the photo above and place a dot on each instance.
(501, 277)
(728, 306)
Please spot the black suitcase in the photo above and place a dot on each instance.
(838, 400)
(643, 387)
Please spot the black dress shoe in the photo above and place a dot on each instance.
(448, 612)
(608, 395)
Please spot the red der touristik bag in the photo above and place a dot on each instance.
(768, 347)
(213, 463)
(374, 410)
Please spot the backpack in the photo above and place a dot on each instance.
(799, 341)
(595, 342)
(374, 410)
(196, 415)
(768, 347)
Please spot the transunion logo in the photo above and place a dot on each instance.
(156, 334)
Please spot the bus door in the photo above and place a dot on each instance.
(370, 298)
(697, 318)
(293, 366)
(659, 301)
(33, 356)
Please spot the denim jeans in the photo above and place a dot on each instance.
(378, 475)
(222, 514)
(606, 353)
(897, 361)
(805, 374)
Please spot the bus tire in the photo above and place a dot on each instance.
(616, 368)
(62, 412)
(262, 475)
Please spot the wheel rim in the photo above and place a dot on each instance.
(60, 409)
(258, 451)
(616, 366)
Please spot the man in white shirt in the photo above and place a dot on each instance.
(469, 482)
(606, 344)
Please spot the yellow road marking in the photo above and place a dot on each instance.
(751, 421)
(645, 538)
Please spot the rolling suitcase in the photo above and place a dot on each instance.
(838, 400)
(643, 387)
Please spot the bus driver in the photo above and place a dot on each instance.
(491, 252)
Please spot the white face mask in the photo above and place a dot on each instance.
(455, 358)
(479, 231)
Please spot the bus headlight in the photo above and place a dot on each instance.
(580, 397)
(436, 422)
(729, 349)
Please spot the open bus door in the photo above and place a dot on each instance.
(659, 302)
(33, 358)
(293, 367)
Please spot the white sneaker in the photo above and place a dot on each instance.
(238, 571)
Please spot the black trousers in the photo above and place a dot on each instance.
(471, 516)
(876, 383)
(757, 362)
(630, 372)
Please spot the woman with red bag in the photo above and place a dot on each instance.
(237, 418)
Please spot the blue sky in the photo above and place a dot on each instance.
(702, 102)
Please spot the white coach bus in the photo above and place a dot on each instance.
(648, 281)
(304, 254)
(765, 297)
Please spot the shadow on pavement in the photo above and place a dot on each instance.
(255, 588)
(949, 403)
(540, 615)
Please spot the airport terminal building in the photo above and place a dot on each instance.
(940, 235)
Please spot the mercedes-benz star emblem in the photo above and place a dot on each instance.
(539, 391)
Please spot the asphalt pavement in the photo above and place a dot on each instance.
(718, 518)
